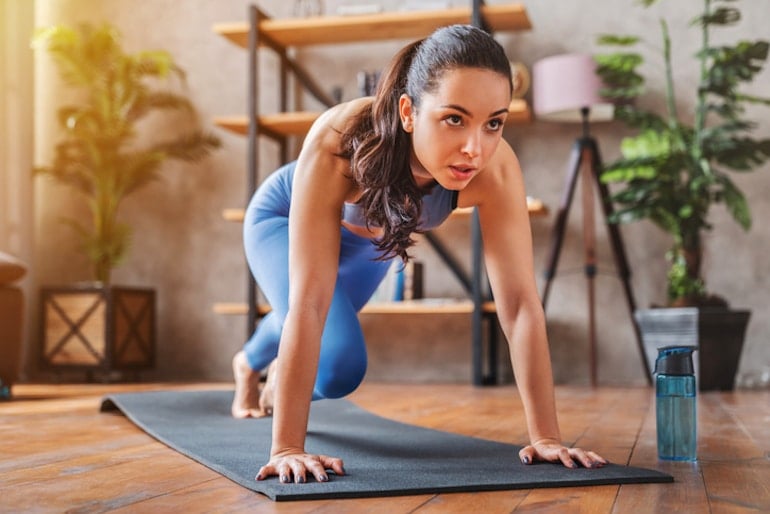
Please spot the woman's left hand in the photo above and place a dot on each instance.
(553, 451)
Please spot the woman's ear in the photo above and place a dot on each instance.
(406, 112)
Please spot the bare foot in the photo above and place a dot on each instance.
(266, 399)
(247, 398)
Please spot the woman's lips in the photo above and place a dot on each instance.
(462, 172)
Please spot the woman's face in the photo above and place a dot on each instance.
(457, 128)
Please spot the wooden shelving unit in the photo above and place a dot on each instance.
(279, 35)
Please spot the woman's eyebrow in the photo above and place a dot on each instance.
(457, 108)
(467, 112)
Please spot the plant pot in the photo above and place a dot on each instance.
(717, 333)
(100, 328)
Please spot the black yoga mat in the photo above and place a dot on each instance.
(382, 457)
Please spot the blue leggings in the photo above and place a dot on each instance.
(342, 363)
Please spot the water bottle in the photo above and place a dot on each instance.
(675, 403)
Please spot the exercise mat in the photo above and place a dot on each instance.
(382, 457)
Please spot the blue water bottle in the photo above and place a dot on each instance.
(675, 403)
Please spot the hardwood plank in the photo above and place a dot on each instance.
(387, 505)
(109, 485)
(57, 453)
(492, 502)
(738, 486)
(735, 469)
(30, 456)
(687, 490)
(216, 495)
(570, 499)
(744, 409)
(39, 440)
(322, 30)
(719, 436)
(72, 463)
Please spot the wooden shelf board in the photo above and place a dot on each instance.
(536, 208)
(518, 112)
(322, 30)
(234, 214)
(284, 123)
(238, 308)
(298, 123)
(427, 306)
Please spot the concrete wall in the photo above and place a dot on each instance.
(184, 249)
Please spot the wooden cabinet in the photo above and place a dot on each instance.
(279, 35)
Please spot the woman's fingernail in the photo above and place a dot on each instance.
(258, 477)
(285, 479)
(300, 480)
(324, 478)
(344, 471)
(525, 460)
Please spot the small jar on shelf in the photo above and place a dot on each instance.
(308, 8)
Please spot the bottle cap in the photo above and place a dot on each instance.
(675, 360)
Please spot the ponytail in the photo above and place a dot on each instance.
(379, 151)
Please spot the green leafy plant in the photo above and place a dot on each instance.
(99, 155)
(675, 168)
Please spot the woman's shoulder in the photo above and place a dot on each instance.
(320, 156)
(503, 159)
(494, 178)
(335, 120)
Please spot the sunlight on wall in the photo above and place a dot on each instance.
(15, 126)
(16, 140)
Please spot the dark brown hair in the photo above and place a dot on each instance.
(379, 149)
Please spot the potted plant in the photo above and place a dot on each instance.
(100, 325)
(676, 167)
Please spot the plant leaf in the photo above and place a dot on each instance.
(735, 202)
(720, 16)
(615, 39)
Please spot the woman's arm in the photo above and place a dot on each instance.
(499, 194)
(318, 192)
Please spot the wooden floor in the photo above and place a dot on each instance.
(59, 454)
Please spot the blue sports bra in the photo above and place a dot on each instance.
(436, 207)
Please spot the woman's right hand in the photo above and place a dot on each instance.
(293, 465)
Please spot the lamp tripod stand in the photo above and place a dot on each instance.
(585, 157)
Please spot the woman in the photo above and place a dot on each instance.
(371, 173)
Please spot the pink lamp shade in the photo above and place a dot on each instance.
(564, 84)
